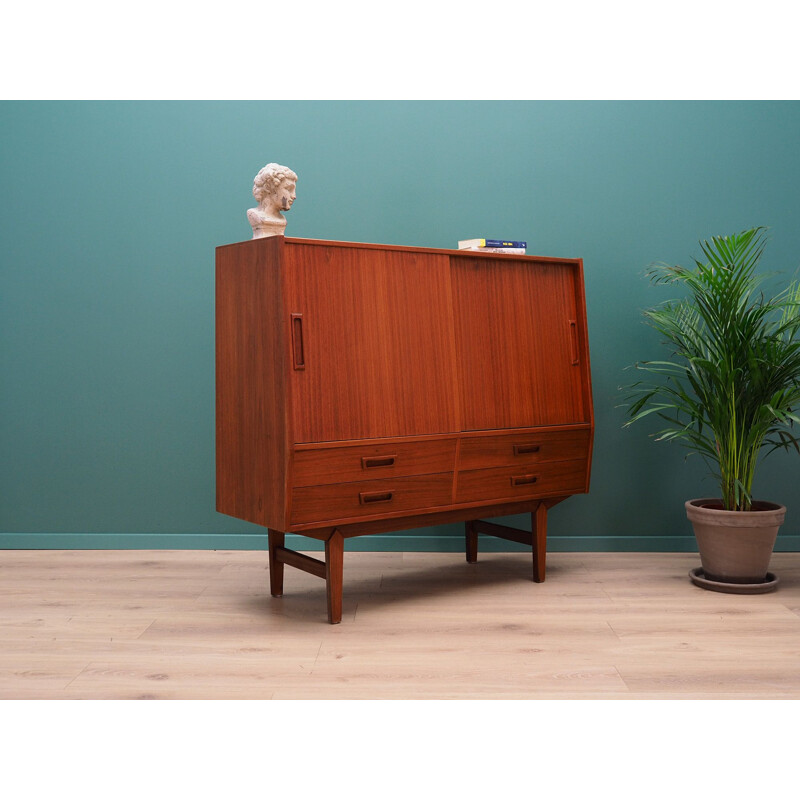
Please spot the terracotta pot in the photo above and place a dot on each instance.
(735, 546)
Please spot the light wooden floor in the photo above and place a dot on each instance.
(201, 624)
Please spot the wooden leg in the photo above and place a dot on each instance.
(334, 564)
(472, 541)
(276, 539)
(539, 541)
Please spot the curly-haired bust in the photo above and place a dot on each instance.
(275, 190)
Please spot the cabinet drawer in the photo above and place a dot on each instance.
(335, 501)
(370, 461)
(479, 452)
(559, 477)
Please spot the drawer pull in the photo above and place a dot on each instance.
(524, 449)
(522, 480)
(377, 461)
(374, 497)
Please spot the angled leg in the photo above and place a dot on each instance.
(276, 539)
(334, 564)
(539, 541)
(472, 541)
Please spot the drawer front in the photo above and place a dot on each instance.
(506, 450)
(371, 461)
(559, 477)
(335, 501)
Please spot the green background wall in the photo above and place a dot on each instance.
(111, 212)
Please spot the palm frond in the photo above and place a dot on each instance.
(731, 386)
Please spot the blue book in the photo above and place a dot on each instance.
(465, 243)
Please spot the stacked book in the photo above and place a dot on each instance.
(493, 246)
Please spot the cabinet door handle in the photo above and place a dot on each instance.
(522, 480)
(298, 356)
(374, 497)
(524, 449)
(573, 335)
(377, 461)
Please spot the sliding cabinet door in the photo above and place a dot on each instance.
(373, 351)
(521, 342)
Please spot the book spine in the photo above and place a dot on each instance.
(464, 243)
(520, 251)
(502, 243)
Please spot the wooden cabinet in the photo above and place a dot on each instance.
(367, 388)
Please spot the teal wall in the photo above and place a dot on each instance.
(111, 212)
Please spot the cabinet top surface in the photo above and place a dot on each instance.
(256, 243)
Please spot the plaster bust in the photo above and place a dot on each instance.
(274, 188)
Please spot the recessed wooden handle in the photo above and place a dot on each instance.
(524, 449)
(522, 480)
(298, 356)
(377, 461)
(366, 498)
(573, 335)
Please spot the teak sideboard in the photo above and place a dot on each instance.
(365, 388)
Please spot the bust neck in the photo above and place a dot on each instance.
(264, 223)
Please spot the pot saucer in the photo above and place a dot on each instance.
(699, 579)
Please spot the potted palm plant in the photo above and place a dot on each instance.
(730, 392)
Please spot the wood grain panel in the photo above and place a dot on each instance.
(337, 501)
(520, 342)
(251, 349)
(560, 477)
(378, 343)
(371, 460)
(423, 518)
(480, 452)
